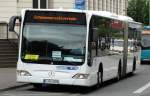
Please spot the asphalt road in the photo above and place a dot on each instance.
(136, 85)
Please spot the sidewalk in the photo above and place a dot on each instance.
(8, 78)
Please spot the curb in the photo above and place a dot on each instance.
(14, 87)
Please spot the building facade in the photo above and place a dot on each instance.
(9, 8)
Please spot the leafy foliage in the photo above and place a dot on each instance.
(139, 10)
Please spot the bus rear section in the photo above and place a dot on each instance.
(52, 48)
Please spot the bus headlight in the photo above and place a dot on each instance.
(80, 76)
(23, 73)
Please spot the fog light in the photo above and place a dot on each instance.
(80, 76)
(23, 73)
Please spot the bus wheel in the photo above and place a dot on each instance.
(100, 76)
(119, 71)
(38, 86)
(134, 65)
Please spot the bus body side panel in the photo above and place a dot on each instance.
(110, 66)
(106, 44)
(134, 35)
(130, 62)
(145, 55)
(130, 57)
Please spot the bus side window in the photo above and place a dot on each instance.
(93, 37)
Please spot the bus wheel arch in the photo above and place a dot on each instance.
(134, 64)
(100, 75)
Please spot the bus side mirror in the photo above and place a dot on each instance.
(12, 22)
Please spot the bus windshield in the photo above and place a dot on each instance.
(53, 43)
(146, 41)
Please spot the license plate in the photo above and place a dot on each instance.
(50, 81)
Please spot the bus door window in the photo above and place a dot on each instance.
(117, 40)
(100, 36)
(132, 41)
(104, 36)
(102, 43)
(93, 39)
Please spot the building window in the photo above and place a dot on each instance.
(40, 4)
(103, 5)
(35, 3)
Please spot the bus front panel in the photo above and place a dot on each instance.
(52, 43)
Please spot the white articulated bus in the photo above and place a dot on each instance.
(74, 47)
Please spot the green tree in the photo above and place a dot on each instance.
(139, 10)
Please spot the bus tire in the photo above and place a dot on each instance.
(134, 65)
(37, 86)
(119, 71)
(100, 75)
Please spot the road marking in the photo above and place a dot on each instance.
(77, 94)
(14, 87)
(49, 94)
(140, 90)
(39, 94)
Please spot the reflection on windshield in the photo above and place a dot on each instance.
(44, 43)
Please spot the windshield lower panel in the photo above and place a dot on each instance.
(56, 44)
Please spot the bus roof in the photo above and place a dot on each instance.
(134, 24)
(90, 12)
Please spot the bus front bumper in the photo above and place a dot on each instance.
(71, 81)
